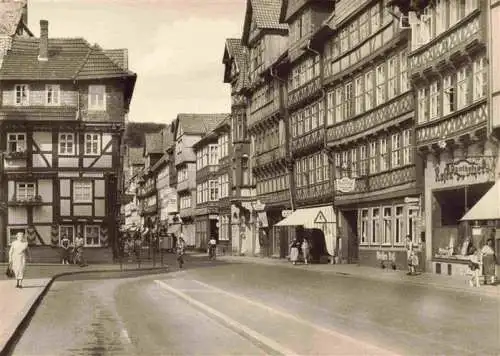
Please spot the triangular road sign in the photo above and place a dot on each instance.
(320, 218)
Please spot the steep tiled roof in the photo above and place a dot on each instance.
(236, 50)
(154, 143)
(118, 56)
(267, 14)
(69, 59)
(135, 156)
(168, 137)
(199, 124)
(10, 16)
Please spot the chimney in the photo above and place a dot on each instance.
(43, 55)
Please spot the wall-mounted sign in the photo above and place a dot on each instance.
(320, 218)
(286, 213)
(411, 200)
(345, 184)
(461, 169)
(259, 206)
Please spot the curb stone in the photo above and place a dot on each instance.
(9, 346)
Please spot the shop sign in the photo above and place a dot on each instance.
(345, 184)
(463, 169)
(411, 200)
(259, 206)
(286, 213)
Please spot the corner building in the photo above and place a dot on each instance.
(369, 132)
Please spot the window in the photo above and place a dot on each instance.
(440, 17)
(387, 231)
(199, 192)
(311, 171)
(407, 147)
(391, 82)
(403, 72)
(354, 162)
(82, 192)
(358, 92)
(67, 231)
(384, 157)
(344, 40)
(368, 90)
(480, 79)
(448, 95)
(16, 142)
(364, 26)
(224, 186)
(434, 101)
(330, 104)
(52, 94)
(396, 150)
(25, 191)
(92, 144)
(399, 226)
(373, 157)
(66, 144)
(470, 5)
(348, 100)
(223, 145)
(375, 225)
(298, 174)
(375, 18)
(453, 12)
(344, 165)
(97, 97)
(354, 33)
(462, 88)
(380, 89)
(185, 202)
(339, 94)
(214, 190)
(22, 94)
(326, 168)
(214, 159)
(199, 154)
(364, 226)
(92, 235)
(363, 161)
(422, 105)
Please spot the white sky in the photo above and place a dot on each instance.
(175, 46)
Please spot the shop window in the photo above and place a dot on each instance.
(67, 231)
(399, 226)
(387, 231)
(364, 226)
(92, 235)
(413, 217)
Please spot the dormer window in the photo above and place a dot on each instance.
(52, 94)
(97, 97)
(22, 94)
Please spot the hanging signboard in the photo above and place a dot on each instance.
(345, 184)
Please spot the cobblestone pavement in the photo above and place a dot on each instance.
(252, 309)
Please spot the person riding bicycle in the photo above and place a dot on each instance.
(212, 245)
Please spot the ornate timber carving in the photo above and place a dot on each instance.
(473, 118)
(447, 44)
(379, 116)
(315, 193)
(313, 139)
(275, 198)
(305, 93)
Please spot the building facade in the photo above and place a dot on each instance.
(133, 166)
(61, 128)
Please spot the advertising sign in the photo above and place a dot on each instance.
(345, 184)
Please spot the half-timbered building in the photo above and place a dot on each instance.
(132, 167)
(310, 183)
(62, 113)
(265, 39)
(189, 129)
(448, 64)
(369, 132)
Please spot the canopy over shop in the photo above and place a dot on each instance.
(487, 208)
(322, 218)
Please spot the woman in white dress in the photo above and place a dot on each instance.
(17, 258)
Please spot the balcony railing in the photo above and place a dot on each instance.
(264, 112)
(276, 154)
(305, 92)
(315, 192)
(26, 201)
(311, 139)
(15, 155)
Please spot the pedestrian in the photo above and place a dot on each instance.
(79, 257)
(411, 256)
(474, 267)
(181, 244)
(488, 259)
(65, 250)
(17, 258)
(294, 251)
(305, 250)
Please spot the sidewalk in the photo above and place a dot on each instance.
(459, 284)
(17, 305)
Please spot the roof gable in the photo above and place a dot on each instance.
(11, 14)
(263, 14)
(198, 124)
(236, 63)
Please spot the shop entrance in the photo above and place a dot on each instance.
(350, 233)
(214, 230)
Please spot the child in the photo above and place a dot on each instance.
(474, 268)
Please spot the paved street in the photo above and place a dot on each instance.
(251, 309)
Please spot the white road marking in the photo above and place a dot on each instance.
(231, 322)
(370, 349)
